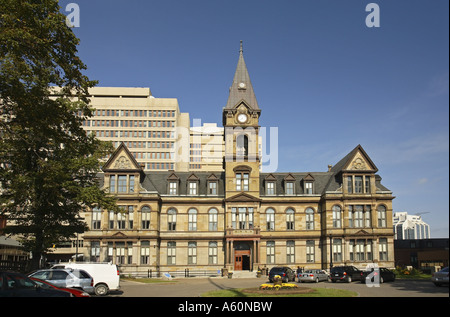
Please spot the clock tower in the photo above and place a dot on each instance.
(242, 169)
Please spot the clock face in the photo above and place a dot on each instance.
(242, 85)
(242, 118)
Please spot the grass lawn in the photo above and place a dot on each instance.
(318, 292)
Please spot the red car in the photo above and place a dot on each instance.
(45, 284)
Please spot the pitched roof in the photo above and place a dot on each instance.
(241, 89)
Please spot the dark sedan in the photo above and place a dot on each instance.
(286, 273)
(377, 275)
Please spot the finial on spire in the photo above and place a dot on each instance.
(241, 49)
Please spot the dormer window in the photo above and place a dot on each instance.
(172, 183)
(173, 187)
(212, 185)
(308, 185)
(193, 188)
(289, 185)
(270, 188)
(192, 183)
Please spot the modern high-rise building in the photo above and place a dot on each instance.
(408, 227)
(150, 127)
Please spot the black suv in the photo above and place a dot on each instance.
(286, 273)
(345, 273)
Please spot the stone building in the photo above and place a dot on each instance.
(238, 217)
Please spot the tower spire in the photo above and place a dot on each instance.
(241, 88)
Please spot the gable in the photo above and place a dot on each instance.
(360, 162)
(242, 197)
(122, 159)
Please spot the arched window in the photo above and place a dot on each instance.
(290, 224)
(192, 219)
(242, 145)
(145, 217)
(309, 219)
(270, 219)
(172, 219)
(212, 219)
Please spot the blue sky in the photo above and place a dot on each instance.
(326, 80)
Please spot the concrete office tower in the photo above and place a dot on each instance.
(410, 227)
(152, 128)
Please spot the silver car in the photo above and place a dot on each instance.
(67, 278)
(441, 277)
(313, 276)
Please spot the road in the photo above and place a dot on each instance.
(194, 287)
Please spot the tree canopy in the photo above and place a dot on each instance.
(48, 164)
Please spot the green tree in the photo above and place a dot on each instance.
(48, 165)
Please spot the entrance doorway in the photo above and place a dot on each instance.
(242, 260)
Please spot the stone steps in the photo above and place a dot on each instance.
(244, 274)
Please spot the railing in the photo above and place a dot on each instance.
(180, 273)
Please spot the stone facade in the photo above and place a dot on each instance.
(239, 218)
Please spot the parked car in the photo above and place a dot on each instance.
(441, 277)
(47, 285)
(67, 278)
(345, 273)
(377, 275)
(106, 275)
(14, 284)
(286, 273)
(313, 276)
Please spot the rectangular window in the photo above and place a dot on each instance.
(112, 184)
(270, 188)
(96, 219)
(383, 251)
(290, 252)
(337, 250)
(212, 188)
(350, 184)
(367, 185)
(172, 188)
(242, 217)
(310, 251)
(171, 252)
(212, 253)
(192, 188)
(131, 184)
(145, 252)
(289, 188)
(308, 188)
(270, 252)
(358, 184)
(192, 252)
(122, 184)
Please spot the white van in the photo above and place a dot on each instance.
(106, 275)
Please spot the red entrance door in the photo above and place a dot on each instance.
(241, 260)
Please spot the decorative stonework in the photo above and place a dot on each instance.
(122, 163)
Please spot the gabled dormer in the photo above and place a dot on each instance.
(122, 172)
(193, 183)
(308, 184)
(173, 184)
(270, 184)
(289, 184)
(357, 172)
